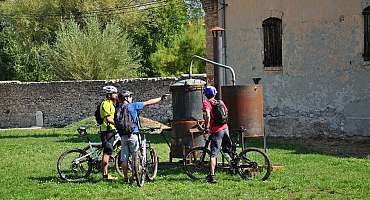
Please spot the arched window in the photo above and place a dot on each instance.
(272, 32)
(366, 13)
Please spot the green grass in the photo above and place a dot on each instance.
(28, 171)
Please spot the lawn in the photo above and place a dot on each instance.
(28, 171)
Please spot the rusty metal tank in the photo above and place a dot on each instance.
(187, 96)
(186, 134)
(245, 105)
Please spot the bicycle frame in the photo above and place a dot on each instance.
(94, 149)
(142, 146)
(91, 156)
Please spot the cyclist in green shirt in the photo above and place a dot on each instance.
(107, 129)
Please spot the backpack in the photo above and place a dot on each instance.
(98, 118)
(220, 115)
(123, 120)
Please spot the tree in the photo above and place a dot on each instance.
(161, 24)
(195, 10)
(22, 59)
(30, 36)
(94, 52)
(174, 60)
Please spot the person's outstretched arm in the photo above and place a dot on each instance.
(156, 100)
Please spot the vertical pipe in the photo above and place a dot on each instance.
(224, 45)
(217, 57)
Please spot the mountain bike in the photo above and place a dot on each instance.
(144, 161)
(251, 163)
(77, 164)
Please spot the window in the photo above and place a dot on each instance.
(366, 13)
(272, 42)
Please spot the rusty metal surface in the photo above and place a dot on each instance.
(245, 105)
(186, 134)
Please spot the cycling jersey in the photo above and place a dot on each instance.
(107, 109)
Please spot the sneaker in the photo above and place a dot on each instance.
(211, 179)
(109, 177)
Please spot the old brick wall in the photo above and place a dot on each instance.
(323, 88)
(64, 102)
(211, 19)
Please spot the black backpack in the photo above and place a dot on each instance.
(98, 118)
(123, 120)
(220, 115)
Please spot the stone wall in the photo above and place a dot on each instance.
(64, 102)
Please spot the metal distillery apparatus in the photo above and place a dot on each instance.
(187, 97)
(244, 103)
(245, 110)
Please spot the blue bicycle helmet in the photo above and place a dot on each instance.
(210, 91)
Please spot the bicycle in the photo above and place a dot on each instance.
(251, 163)
(77, 164)
(144, 163)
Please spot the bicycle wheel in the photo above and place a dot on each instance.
(138, 169)
(254, 164)
(118, 164)
(74, 165)
(196, 163)
(151, 164)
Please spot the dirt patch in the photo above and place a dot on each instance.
(148, 123)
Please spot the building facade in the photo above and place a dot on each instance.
(313, 58)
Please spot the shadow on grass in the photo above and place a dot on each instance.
(323, 146)
(55, 179)
(77, 139)
(168, 168)
(46, 179)
(45, 135)
(164, 169)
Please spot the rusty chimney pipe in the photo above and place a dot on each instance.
(217, 57)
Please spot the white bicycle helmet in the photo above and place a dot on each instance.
(110, 89)
(126, 93)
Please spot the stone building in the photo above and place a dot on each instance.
(313, 58)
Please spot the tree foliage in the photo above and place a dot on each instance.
(174, 59)
(23, 58)
(35, 35)
(92, 52)
(160, 25)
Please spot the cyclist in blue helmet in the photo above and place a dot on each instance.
(210, 91)
(213, 112)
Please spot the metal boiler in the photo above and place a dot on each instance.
(245, 104)
(187, 97)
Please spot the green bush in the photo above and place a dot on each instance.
(92, 52)
(174, 60)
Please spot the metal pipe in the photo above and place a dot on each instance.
(218, 75)
(212, 62)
